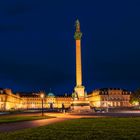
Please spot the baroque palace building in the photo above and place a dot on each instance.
(110, 97)
(106, 97)
(9, 101)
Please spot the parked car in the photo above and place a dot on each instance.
(100, 110)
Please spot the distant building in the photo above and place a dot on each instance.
(9, 101)
(110, 97)
(33, 101)
(105, 97)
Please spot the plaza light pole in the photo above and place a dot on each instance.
(42, 98)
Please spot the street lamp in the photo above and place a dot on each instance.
(42, 95)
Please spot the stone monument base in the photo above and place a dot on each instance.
(80, 106)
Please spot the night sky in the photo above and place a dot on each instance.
(37, 47)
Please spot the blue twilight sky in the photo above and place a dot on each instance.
(37, 48)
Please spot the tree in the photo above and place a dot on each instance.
(135, 97)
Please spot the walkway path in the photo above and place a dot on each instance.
(6, 127)
(60, 118)
(29, 124)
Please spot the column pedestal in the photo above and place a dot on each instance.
(80, 103)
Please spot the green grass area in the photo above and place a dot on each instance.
(82, 129)
(9, 119)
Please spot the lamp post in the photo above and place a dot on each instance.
(42, 95)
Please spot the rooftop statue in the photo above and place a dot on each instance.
(78, 33)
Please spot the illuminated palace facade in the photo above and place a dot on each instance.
(105, 97)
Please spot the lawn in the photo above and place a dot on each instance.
(81, 129)
(9, 119)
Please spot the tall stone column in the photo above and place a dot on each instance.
(79, 89)
(80, 100)
(78, 36)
